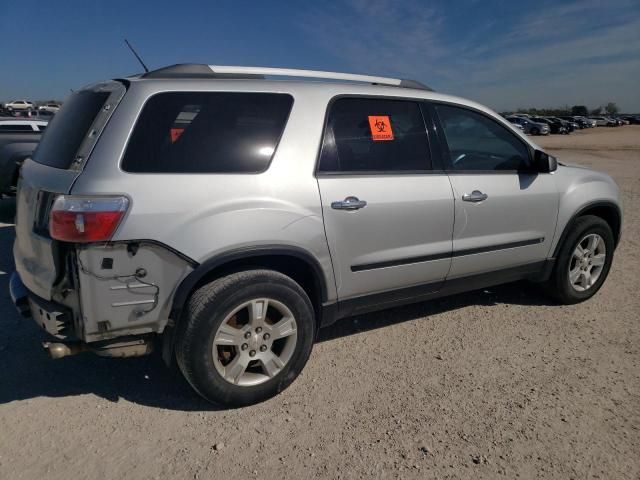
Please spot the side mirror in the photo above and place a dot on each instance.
(544, 163)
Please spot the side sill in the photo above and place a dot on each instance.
(536, 271)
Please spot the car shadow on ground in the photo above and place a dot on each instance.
(27, 372)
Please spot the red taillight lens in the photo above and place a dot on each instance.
(86, 219)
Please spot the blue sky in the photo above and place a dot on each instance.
(506, 54)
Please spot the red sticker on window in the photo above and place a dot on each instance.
(175, 134)
(380, 126)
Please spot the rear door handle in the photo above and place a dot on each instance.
(475, 196)
(349, 203)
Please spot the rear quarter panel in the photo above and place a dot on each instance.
(204, 215)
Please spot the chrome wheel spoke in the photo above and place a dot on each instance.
(227, 335)
(586, 279)
(574, 275)
(598, 260)
(594, 240)
(236, 368)
(258, 311)
(284, 328)
(271, 363)
(579, 252)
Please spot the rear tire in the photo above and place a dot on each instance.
(583, 262)
(245, 337)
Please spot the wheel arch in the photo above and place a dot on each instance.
(608, 211)
(294, 262)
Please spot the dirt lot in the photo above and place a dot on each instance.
(493, 384)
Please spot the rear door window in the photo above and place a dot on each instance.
(374, 135)
(68, 128)
(207, 132)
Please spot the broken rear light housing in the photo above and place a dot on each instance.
(86, 219)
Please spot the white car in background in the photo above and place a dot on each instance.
(19, 106)
(49, 107)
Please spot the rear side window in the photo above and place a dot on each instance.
(205, 132)
(374, 135)
(68, 128)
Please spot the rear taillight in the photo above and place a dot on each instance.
(86, 219)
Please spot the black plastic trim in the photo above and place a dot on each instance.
(440, 256)
(382, 300)
(580, 212)
(187, 285)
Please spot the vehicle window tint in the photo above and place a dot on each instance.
(374, 135)
(479, 143)
(68, 128)
(204, 132)
(16, 128)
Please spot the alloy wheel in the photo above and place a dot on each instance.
(587, 262)
(255, 342)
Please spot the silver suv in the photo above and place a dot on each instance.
(225, 217)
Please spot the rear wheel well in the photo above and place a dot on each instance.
(298, 269)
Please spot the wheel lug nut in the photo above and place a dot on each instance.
(244, 346)
(258, 330)
(252, 353)
(266, 336)
(247, 334)
(263, 348)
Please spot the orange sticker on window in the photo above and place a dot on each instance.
(380, 126)
(175, 134)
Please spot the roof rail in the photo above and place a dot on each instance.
(195, 70)
(292, 72)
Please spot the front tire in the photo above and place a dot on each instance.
(583, 262)
(535, 131)
(245, 337)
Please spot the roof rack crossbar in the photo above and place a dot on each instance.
(292, 72)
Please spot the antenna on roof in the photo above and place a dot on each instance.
(136, 55)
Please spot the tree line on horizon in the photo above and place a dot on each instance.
(577, 110)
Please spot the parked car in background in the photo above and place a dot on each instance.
(575, 124)
(18, 140)
(569, 126)
(19, 106)
(555, 126)
(528, 126)
(590, 123)
(45, 115)
(603, 121)
(632, 119)
(49, 107)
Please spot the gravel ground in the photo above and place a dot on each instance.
(499, 383)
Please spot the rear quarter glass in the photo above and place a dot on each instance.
(68, 128)
(207, 132)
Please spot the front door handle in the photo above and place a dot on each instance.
(349, 203)
(475, 196)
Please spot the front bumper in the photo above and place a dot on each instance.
(54, 318)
